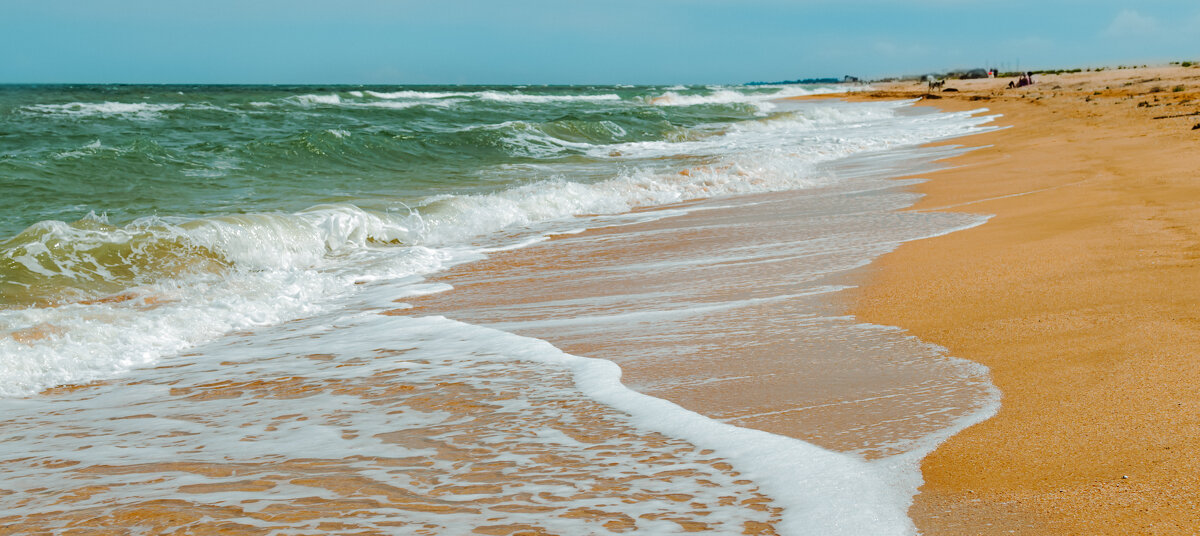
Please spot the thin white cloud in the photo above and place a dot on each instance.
(1130, 23)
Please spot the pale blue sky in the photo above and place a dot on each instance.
(572, 42)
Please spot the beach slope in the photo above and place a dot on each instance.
(1081, 295)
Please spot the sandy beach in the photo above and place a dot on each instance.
(547, 268)
(771, 276)
(1080, 295)
(700, 243)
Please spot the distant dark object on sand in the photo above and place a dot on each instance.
(972, 74)
(800, 81)
(848, 79)
(961, 74)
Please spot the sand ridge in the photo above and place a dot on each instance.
(1081, 296)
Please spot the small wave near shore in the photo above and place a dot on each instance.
(269, 313)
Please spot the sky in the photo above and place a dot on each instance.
(573, 41)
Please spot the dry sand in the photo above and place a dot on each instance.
(1082, 295)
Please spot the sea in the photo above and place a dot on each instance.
(456, 310)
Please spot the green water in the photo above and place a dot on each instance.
(189, 151)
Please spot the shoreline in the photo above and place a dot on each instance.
(757, 311)
(721, 304)
(1079, 294)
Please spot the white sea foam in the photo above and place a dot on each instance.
(373, 377)
(400, 105)
(497, 96)
(141, 423)
(313, 263)
(525, 97)
(757, 157)
(310, 256)
(840, 495)
(409, 94)
(408, 98)
(816, 132)
(525, 139)
(132, 110)
(332, 98)
(717, 95)
(85, 150)
(284, 266)
(809, 132)
(724, 96)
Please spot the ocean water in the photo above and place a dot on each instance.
(455, 310)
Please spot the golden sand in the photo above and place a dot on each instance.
(1082, 295)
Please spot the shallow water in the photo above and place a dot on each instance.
(346, 309)
(419, 426)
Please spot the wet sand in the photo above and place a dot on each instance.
(1082, 295)
(728, 311)
(487, 457)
